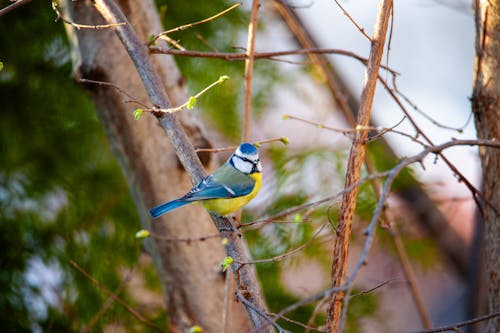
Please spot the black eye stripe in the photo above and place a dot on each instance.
(247, 160)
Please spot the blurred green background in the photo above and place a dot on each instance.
(63, 197)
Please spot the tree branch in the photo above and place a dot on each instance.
(421, 206)
(356, 158)
(454, 327)
(261, 55)
(370, 230)
(252, 28)
(245, 277)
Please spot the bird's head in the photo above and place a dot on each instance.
(246, 159)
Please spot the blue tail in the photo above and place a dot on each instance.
(166, 207)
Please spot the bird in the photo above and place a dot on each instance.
(227, 189)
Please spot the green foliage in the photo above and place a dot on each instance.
(366, 203)
(313, 172)
(191, 103)
(422, 251)
(63, 197)
(142, 234)
(361, 307)
(378, 153)
(62, 194)
(138, 113)
(226, 262)
(195, 329)
(222, 108)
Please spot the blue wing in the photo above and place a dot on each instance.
(225, 183)
(209, 188)
(166, 207)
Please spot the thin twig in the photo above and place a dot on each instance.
(282, 139)
(108, 292)
(190, 100)
(372, 289)
(83, 26)
(298, 323)
(268, 319)
(312, 205)
(185, 239)
(323, 295)
(476, 193)
(315, 312)
(107, 304)
(362, 30)
(286, 254)
(415, 107)
(252, 28)
(454, 327)
(262, 55)
(13, 6)
(227, 297)
(410, 277)
(109, 84)
(190, 25)
(320, 125)
(381, 130)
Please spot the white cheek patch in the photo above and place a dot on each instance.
(241, 165)
(259, 167)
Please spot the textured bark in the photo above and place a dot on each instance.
(189, 272)
(356, 159)
(486, 108)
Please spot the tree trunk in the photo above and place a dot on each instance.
(486, 108)
(189, 271)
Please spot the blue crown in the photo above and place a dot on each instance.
(248, 149)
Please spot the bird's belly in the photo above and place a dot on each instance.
(228, 206)
(225, 206)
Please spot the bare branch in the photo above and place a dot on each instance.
(83, 26)
(362, 30)
(252, 28)
(370, 230)
(356, 158)
(282, 139)
(186, 239)
(109, 84)
(118, 300)
(477, 194)
(454, 327)
(286, 254)
(13, 6)
(410, 277)
(261, 55)
(264, 315)
(190, 25)
(107, 304)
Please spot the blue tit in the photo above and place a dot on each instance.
(226, 190)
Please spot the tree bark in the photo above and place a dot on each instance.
(486, 108)
(189, 271)
(356, 159)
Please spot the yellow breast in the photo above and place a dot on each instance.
(227, 206)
